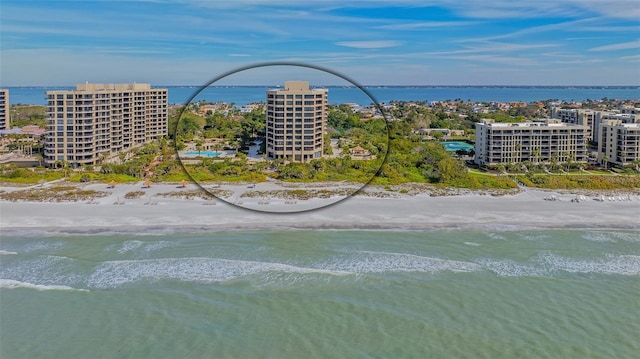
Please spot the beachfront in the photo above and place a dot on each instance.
(162, 206)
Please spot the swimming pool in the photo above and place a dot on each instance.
(453, 146)
(202, 153)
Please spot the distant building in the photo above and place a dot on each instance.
(618, 142)
(29, 130)
(5, 122)
(446, 132)
(360, 153)
(578, 117)
(606, 116)
(593, 118)
(296, 120)
(538, 142)
(630, 110)
(97, 121)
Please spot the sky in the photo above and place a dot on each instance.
(401, 42)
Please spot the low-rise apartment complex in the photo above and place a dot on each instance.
(538, 142)
(4, 110)
(618, 143)
(97, 121)
(296, 120)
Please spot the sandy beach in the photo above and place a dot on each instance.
(163, 206)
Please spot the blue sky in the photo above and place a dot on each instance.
(417, 42)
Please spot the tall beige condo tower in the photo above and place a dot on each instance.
(4, 109)
(98, 121)
(296, 120)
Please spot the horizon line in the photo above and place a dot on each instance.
(349, 86)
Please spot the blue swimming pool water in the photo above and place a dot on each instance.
(203, 153)
(457, 145)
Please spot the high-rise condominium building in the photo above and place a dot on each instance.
(97, 121)
(619, 142)
(583, 117)
(538, 142)
(296, 120)
(4, 110)
(606, 117)
(593, 118)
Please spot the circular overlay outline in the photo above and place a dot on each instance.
(297, 64)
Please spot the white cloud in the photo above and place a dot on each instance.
(375, 44)
(509, 9)
(426, 25)
(632, 58)
(621, 46)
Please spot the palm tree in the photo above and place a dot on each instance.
(636, 164)
(536, 154)
(518, 153)
(570, 158)
(65, 167)
(623, 156)
(554, 161)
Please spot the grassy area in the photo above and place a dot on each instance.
(101, 177)
(203, 174)
(23, 115)
(30, 176)
(595, 182)
(53, 194)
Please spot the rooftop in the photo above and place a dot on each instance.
(532, 124)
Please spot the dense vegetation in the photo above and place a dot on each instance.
(401, 155)
(594, 182)
(23, 115)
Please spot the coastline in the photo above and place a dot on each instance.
(165, 207)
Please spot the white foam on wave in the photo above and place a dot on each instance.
(595, 236)
(193, 269)
(510, 268)
(611, 264)
(43, 246)
(549, 264)
(363, 262)
(533, 236)
(44, 270)
(472, 244)
(136, 245)
(627, 236)
(493, 235)
(13, 284)
(7, 253)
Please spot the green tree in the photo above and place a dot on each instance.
(450, 169)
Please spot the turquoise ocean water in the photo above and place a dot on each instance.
(446, 293)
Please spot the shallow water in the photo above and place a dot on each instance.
(294, 293)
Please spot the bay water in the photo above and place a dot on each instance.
(277, 293)
(242, 95)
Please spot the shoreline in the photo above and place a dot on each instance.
(163, 207)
